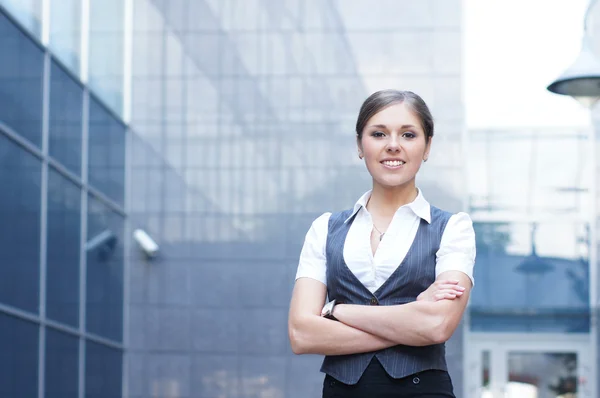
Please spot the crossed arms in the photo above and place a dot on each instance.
(431, 319)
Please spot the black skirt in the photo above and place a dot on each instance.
(376, 383)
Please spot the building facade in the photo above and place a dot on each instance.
(222, 129)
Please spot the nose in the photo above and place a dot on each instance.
(393, 144)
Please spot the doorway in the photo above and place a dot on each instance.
(528, 366)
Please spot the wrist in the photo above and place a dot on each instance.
(329, 308)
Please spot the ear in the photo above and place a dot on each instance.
(360, 147)
(427, 149)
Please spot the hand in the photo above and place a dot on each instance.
(442, 290)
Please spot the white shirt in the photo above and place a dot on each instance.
(456, 252)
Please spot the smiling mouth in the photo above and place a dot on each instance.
(393, 163)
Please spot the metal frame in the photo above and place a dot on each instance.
(83, 240)
(44, 224)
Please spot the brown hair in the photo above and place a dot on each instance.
(384, 98)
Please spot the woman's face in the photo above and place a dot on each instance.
(393, 145)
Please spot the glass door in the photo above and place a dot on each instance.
(528, 368)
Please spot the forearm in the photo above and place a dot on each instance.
(313, 334)
(416, 324)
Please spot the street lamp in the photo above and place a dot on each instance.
(582, 79)
(582, 82)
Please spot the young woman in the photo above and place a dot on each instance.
(396, 270)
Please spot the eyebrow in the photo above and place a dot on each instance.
(403, 127)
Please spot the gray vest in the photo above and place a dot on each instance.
(413, 275)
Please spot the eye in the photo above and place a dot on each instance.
(378, 134)
(409, 134)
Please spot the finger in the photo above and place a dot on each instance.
(446, 282)
(449, 291)
(444, 296)
(451, 287)
(448, 294)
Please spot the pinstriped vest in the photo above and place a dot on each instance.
(413, 275)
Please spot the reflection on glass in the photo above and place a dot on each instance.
(20, 201)
(66, 108)
(19, 359)
(106, 51)
(27, 12)
(21, 73)
(64, 204)
(106, 152)
(517, 172)
(62, 359)
(65, 32)
(531, 277)
(541, 375)
(104, 253)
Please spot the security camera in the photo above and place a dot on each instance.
(105, 240)
(146, 242)
(103, 244)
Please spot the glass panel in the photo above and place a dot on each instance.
(102, 371)
(19, 359)
(64, 206)
(21, 74)
(27, 12)
(543, 375)
(526, 185)
(20, 201)
(65, 32)
(516, 263)
(104, 271)
(66, 107)
(62, 359)
(106, 51)
(106, 152)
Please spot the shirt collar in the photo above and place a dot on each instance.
(420, 206)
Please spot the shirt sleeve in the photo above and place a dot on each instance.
(313, 263)
(457, 247)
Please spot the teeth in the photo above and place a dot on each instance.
(393, 163)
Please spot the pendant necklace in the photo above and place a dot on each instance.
(380, 233)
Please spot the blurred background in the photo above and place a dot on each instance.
(221, 129)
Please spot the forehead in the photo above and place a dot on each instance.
(395, 115)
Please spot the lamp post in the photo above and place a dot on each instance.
(582, 82)
(582, 79)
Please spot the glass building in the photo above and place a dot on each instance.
(223, 128)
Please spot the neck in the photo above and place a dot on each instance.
(388, 200)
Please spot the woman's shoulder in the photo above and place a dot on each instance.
(436, 211)
(452, 220)
(323, 220)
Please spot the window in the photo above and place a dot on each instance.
(106, 152)
(21, 76)
(103, 371)
(19, 359)
(515, 265)
(65, 32)
(63, 249)
(104, 251)
(62, 370)
(20, 177)
(66, 107)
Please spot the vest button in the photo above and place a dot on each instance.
(374, 301)
(416, 380)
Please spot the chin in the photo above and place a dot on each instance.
(393, 183)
